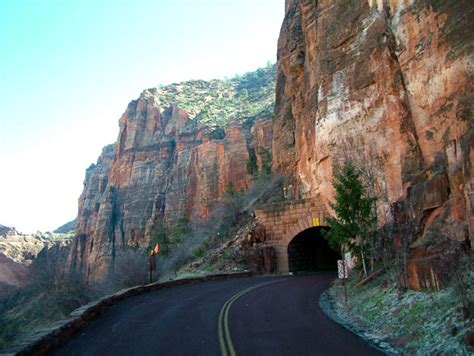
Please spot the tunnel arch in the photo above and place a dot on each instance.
(309, 251)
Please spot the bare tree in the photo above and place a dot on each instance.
(369, 162)
(130, 269)
(402, 231)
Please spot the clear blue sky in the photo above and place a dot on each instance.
(69, 68)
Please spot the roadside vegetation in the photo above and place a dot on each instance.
(375, 301)
(407, 321)
(199, 247)
(353, 227)
(50, 295)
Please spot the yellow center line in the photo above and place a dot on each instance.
(225, 341)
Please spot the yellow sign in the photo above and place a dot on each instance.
(316, 221)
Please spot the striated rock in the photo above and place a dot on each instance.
(166, 161)
(387, 84)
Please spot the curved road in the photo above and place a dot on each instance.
(251, 316)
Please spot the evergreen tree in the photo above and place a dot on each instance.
(230, 189)
(180, 230)
(354, 219)
(159, 234)
(252, 165)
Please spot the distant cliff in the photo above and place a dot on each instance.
(389, 85)
(66, 228)
(18, 252)
(178, 148)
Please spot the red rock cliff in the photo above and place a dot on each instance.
(388, 84)
(164, 163)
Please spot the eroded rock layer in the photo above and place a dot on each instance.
(389, 85)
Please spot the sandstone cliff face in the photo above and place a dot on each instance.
(389, 85)
(164, 163)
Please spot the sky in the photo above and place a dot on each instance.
(69, 68)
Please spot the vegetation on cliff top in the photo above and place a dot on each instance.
(216, 102)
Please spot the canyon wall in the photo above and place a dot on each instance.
(164, 163)
(388, 85)
(385, 84)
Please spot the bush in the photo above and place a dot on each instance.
(252, 167)
(169, 237)
(266, 161)
(199, 237)
(51, 295)
(130, 269)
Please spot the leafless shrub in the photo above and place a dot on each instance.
(129, 269)
(64, 289)
(51, 294)
(181, 255)
(368, 160)
(264, 190)
(223, 222)
(237, 206)
(402, 231)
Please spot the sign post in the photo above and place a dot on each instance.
(343, 274)
(152, 261)
(342, 269)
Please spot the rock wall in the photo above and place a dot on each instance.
(389, 85)
(163, 164)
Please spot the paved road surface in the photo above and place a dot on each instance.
(251, 316)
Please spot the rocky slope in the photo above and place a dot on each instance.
(178, 148)
(11, 273)
(387, 84)
(19, 251)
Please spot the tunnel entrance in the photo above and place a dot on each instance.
(309, 251)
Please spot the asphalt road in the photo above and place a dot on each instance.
(251, 316)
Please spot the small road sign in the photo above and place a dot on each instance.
(315, 221)
(342, 269)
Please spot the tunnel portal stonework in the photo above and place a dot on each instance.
(283, 221)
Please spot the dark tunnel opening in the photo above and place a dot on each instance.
(309, 251)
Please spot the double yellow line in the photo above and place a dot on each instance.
(227, 348)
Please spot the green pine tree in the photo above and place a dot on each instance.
(180, 230)
(230, 189)
(252, 165)
(354, 219)
(159, 234)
